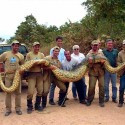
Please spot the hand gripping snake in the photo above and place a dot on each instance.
(65, 76)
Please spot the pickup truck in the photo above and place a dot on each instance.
(7, 47)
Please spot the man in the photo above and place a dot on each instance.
(49, 77)
(68, 64)
(35, 79)
(111, 54)
(12, 60)
(96, 72)
(59, 42)
(99, 46)
(121, 59)
(79, 57)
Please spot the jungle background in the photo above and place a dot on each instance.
(104, 19)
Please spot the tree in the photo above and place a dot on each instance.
(107, 17)
(1, 39)
(27, 31)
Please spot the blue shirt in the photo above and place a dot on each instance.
(61, 55)
(111, 56)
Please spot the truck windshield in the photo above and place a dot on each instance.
(22, 49)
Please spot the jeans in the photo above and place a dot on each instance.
(74, 90)
(113, 77)
(67, 86)
(80, 87)
(121, 89)
(52, 91)
(74, 93)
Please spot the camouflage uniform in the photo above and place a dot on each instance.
(49, 77)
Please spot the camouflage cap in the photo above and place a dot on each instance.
(56, 48)
(95, 42)
(15, 42)
(36, 43)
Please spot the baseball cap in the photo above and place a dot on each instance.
(15, 42)
(123, 42)
(95, 42)
(56, 48)
(108, 40)
(36, 43)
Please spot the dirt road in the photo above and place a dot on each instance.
(73, 114)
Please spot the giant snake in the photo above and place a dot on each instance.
(65, 76)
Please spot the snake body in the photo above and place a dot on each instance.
(65, 76)
(70, 76)
(15, 84)
(17, 76)
(112, 69)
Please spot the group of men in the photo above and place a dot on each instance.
(104, 77)
(42, 78)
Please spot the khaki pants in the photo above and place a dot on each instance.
(49, 78)
(8, 103)
(35, 80)
(92, 84)
(46, 82)
(59, 84)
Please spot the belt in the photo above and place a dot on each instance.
(35, 73)
(9, 72)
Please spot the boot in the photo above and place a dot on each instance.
(37, 104)
(121, 98)
(51, 102)
(62, 100)
(120, 105)
(44, 101)
(30, 106)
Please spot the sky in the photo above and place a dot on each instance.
(46, 12)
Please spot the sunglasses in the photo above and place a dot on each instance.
(95, 45)
(76, 49)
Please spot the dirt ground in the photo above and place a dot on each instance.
(73, 114)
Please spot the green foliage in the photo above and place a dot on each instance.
(105, 19)
(29, 31)
(1, 39)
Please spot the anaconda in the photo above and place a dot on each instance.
(65, 76)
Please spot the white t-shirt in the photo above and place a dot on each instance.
(68, 65)
(79, 57)
(100, 50)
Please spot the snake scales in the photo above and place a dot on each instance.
(65, 76)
